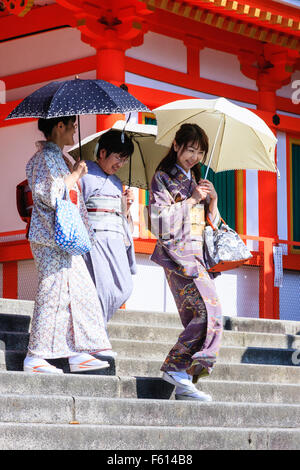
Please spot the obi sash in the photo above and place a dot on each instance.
(197, 222)
(105, 213)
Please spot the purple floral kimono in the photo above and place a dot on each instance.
(180, 253)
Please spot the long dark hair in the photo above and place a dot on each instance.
(187, 134)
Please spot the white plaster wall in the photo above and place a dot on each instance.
(289, 296)
(238, 290)
(22, 92)
(149, 287)
(27, 280)
(288, 91)
(161, 50)
(218, 65)
(134, 79)
(41, 50)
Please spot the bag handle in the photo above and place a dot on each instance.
(211, 224)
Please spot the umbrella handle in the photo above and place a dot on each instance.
(214, 146)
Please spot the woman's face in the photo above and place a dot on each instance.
(111, 164)
(66, 132)
(70, 131)
(188, 156)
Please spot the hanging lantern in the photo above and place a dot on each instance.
(18, 7)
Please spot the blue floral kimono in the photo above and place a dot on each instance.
(67, 317)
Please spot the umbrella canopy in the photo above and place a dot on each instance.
(238, 138)
(73, 97)
(145, 158)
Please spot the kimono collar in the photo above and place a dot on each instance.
(47, 145)
(178, 173)
(187, 174)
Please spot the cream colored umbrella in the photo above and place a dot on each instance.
(144, 160)
(238, 138)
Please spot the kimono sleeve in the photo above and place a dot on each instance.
(170, 223)
(46, 184)
(169, 219)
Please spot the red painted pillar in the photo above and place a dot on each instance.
(267, 206)
(110, 67)
(267, 181)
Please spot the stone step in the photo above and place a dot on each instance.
(14, 322)
(158, 350)
(12, 382)
(14, 436)
(24, 307)
(228, 354)
(13, 360)
(170, 335)
(59, 409)
(19, 340)
(258, 325)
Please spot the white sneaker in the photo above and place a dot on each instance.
(36, 364)
(106, 353)
(82, 362)
(178, 378)
(183, 393)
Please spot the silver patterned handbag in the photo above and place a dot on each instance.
(223, 248)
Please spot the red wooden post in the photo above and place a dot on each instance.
(269, 69)
(10, 280)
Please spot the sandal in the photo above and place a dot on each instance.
(83, 362)
(38, 365)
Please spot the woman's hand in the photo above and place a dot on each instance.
(209, 188)
(200, 192)
(128, 193)
(79, 170)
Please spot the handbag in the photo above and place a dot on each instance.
(24, 203)
(70, 232)
(223, 248)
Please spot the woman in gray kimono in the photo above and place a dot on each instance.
(179, 203)
(67, 318)
(111, 262)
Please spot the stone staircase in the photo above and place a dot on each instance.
(255, 387)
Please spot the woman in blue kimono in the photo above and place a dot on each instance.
(111, 262)
(179, 202)
(67, 318)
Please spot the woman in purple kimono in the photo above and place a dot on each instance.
(179, 202)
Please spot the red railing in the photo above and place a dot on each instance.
(13, 250)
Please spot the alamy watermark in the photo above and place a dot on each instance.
(296, 93)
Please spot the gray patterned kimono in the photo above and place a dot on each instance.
(180, 253)
(111, 262)
(67, 317)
